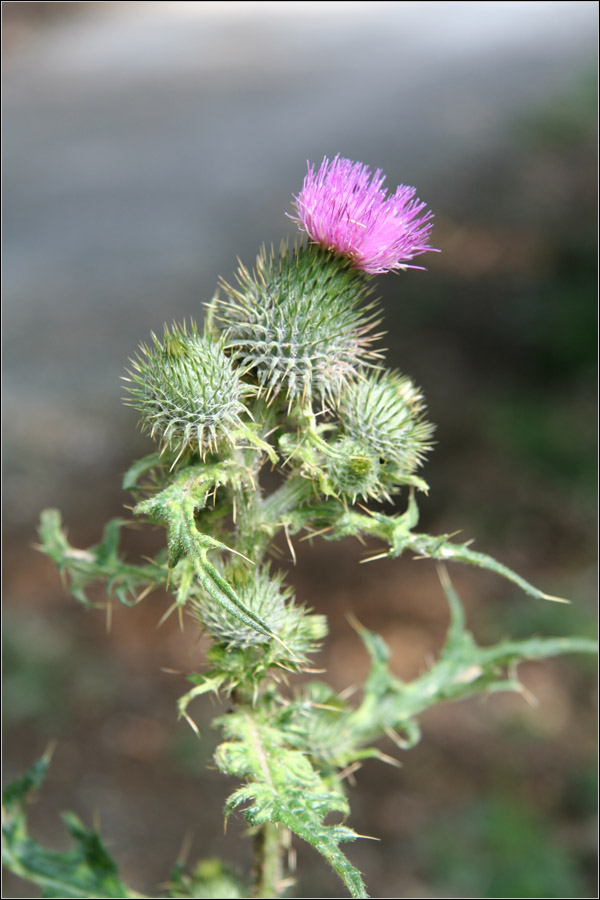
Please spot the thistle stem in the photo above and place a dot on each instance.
(286, 498)
(267, 861)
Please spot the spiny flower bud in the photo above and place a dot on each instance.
(354, 470)
(384, 411)
(264, 595)
(298, 323)
(188, 391)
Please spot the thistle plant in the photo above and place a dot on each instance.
(285, 375)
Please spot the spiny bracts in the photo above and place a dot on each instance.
(264, 594)
(383, 412)
(188, 390)
(299, 322)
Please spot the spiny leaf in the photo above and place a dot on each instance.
(283, 787)
(397, 532)
(463, 668)
(443, 549)
(139, 468)
(98, 563)
(175, 507)
(86, 870)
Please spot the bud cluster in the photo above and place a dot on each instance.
(301, 326)
(290, 344)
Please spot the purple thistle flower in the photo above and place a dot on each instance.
(345, 208)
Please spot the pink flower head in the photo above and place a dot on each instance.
(345, 208)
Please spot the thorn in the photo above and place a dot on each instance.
(313, 534)
(349, 770)
(383, 555)
(289, 543)
(237, 553)
(177, 458)
(147, 590)
(283, 644)
(390, 760)
(347, 692)
(186, 846)
(49, 751)
(192, 724)
(442, 572)
(528, 696)
(281, 665)
(368, 511)
(553, 598)
(292, 859)
(166, 615)
(395, 737)
(336, 709)
(353, 621)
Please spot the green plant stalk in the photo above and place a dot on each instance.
(252, 539)
(267, 875)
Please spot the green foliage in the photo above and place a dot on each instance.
(86, 870)
(354, 471)
(100, 563)
(175, 507)
(282, 787)
(463, 669)
(263, 595)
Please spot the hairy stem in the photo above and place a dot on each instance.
(267, 861)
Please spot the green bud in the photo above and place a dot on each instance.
(264, 595)
(188, 391)
(354, 471)
(384, 413)
(298, 323)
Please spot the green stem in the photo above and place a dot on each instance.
(267, 861)
(286, 499)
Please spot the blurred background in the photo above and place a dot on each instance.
(146, 145)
